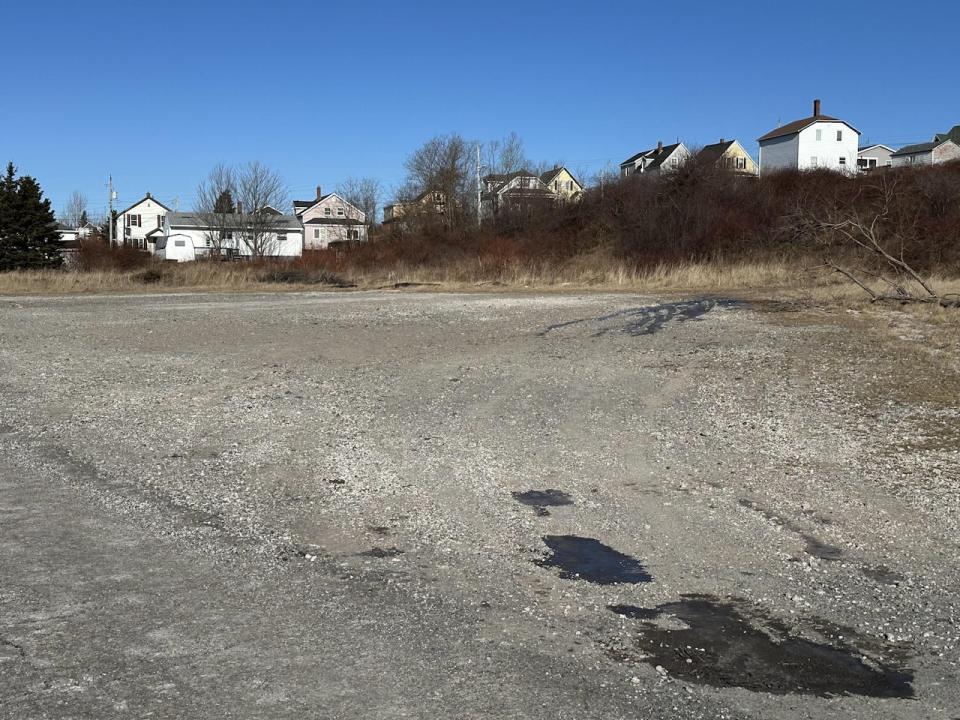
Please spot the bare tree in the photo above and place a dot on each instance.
(363, 193)
(446, 164)
(240, 207)
(216, 214)
(75, 212)
(505, 156)
(258, 190)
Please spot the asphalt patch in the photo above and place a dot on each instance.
(580, 558)
(702, 640)
(540, 500)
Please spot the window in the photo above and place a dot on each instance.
(740, 163)
(180, 243)
(207, 242)
(326, 212)
(813, 161)
(316, 233)
(819, 135)
(843, 160)
(132, 220)
(839, 135)
(339, 212)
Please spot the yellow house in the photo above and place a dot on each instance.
(562, 183)
(431, 203)
(728, 155)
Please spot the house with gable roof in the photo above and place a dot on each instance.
(945, 147)
(818, 141)
(513, 192)
(661, 159)
(141, 224)
(728, 155)
(562, 183)
(330, 219)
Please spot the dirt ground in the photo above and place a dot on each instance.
(408, 505)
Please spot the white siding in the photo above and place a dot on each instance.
(827, 149)
(151, 217)
(186, 244)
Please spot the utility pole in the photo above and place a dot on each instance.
(113, 196)
(479, 220)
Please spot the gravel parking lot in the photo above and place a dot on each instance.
(392, 505)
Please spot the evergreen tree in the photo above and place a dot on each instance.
(83, 219)
(28, 230)
(224, 203)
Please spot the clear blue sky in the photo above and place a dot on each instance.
(158, 92)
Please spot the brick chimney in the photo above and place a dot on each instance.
(148, 194)
(239, 207)
(816, 108)
(660, 146)
(319, 192)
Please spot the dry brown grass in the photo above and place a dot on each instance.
(774, 279)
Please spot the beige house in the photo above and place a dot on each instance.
(563, 184)
(328, 220)
(429, 204)
(728, 155)
(661, 159)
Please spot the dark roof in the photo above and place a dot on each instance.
(952, 134)
(307, 204)
(713, 153)
(797, 125)
(633, 158)
(200, 220)
(657, 155)
(919, 147)
(550, 175)
(145, 197)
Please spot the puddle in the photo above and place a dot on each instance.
(721, 644)
(540, 500)
(589, 559)
(644, 320)
(378, 552)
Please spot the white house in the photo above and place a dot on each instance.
(818, 141)
(141, 224)
(328, 220)
(662, 158)
(189, 236)
(513, 192)
(870, 157)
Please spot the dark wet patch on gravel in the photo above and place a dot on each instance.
(580, 558)
(722, 644)
(378, 552)
(882, 574)
(821, 550)
(540, 500)
(644, 320)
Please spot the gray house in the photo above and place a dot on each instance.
(945, 147)
(930, 153)
(870, 157)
